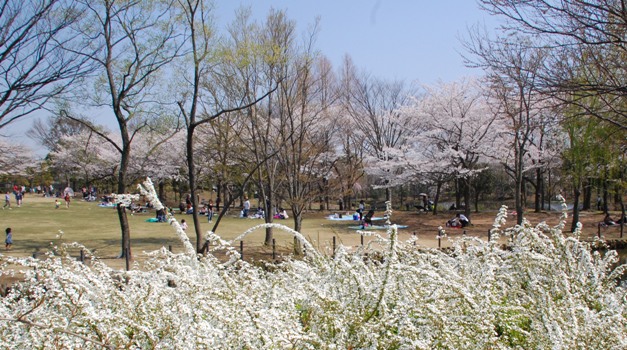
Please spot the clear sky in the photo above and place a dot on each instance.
(412, 40)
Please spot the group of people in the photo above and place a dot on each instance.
(209, 208)
(608, 221)
(19, 196)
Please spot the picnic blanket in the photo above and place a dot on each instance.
(349, 218)
(374, 227)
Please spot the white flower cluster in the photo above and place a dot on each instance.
(548, 290)
(124, 200)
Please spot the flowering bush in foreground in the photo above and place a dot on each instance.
(547, 290)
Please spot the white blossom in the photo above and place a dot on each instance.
(547, 290)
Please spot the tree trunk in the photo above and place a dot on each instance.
(542, 194)
(587, 195)
(126, 231)
(438, 188)
(298, 218)
(267, 205)
(577, 193)
(518, 199)
(538, 196)
(550, 195)
(161, 186)
(458, 198)
(298, 222)
(191, 168)
(605, 196)
(466, 184)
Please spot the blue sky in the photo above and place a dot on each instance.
(412, 40)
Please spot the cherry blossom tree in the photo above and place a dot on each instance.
(85, 156)
(455, 132)
(16, 158)
(373, 106)
(157, 154)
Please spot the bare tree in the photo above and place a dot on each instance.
(131, 43)
(588, 45)
(513, 74)
(49, 131)
(260, 136)
(34, 66)
(218, 81)
(306, 132)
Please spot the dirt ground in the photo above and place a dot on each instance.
(425, 226)
(321, 233)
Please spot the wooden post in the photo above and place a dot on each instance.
(127, 259)
(489, 235)
(170, 248)
(273, 249)
(599, 230)
(464, 233)
(81, 257)
(362, 240)
(333, 246)
(241, 249)
(622, 226)
(296, 246)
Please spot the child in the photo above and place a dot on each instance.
(9, 240)
(183, 225)
(7, 201)
(57, 204)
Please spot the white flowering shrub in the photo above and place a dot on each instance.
(545, 290)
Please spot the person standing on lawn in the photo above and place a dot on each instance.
(9, 240)
(7, 200)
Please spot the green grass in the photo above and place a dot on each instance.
(37, 223)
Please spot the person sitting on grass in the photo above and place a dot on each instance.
(608, 221)
(260, 214)
(161, 215)
(282, 214)
(459, 221)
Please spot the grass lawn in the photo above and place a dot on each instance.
(37, 223)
